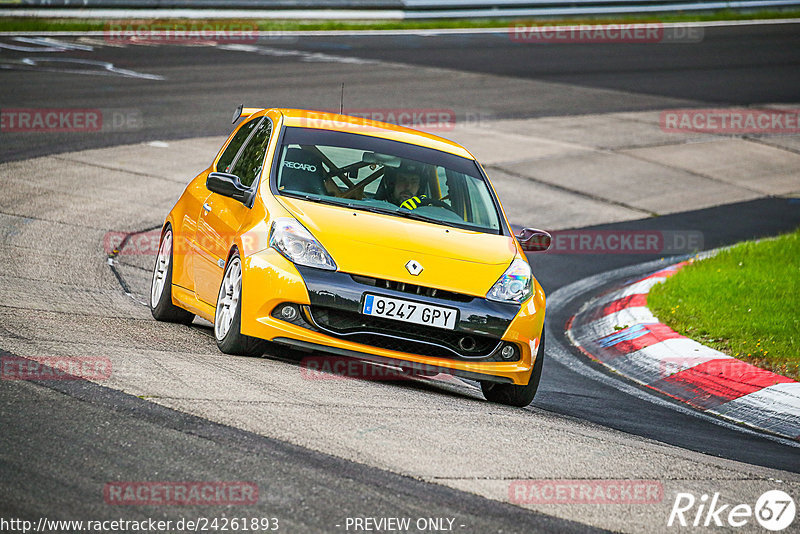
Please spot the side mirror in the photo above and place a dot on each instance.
(228, 185)
(533, 240)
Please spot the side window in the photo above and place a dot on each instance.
(250, 161)
(225, 160)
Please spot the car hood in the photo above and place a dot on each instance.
(380, 246)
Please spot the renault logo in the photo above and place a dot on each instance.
(414, 267)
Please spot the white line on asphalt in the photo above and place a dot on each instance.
(84, 66)
(43, 44)
(311, 57)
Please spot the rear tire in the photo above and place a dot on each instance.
(228, 317)
(161, 305)
(512, 394)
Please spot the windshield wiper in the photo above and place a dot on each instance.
(372, 209)
(302, 196)
(313, 198)
(408, 215)
(418, 217)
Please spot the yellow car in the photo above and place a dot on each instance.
(357, 238)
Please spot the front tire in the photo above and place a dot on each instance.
(228, 317)
(161, 305)
(512, 394)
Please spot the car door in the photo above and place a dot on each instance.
(221, 217)
(185, 246)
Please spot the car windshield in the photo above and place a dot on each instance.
(372, 174)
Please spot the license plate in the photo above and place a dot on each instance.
(410, 312)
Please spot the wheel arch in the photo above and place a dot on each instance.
(235, 248)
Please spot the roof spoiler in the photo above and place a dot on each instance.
(243, 112)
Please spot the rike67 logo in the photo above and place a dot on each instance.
(775, 510)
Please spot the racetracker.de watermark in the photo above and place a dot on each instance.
(563, 242)
(647, 32)
(439, 119)
(720, 368)
(144, 524)
(585, 491)
(625, 241)
(147, 243)
(184, 32)
(63, 120)
(731, 121)
(180, 493)
(342, 368)
(55, 368)
(429, 119)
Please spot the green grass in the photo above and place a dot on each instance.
(745, 302)
(68, 24)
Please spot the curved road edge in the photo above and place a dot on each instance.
(616, 330)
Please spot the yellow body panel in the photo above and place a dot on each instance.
(361, 243)
(372, 244)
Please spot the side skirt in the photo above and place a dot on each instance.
(188, 301)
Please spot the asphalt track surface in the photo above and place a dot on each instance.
(120, 437)
(90, 434)
(729, 66)
(743, 65)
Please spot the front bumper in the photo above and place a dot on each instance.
(331, 321)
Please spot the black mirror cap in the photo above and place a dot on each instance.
(228, 185)
(222, 183)
(534, 240)
(237, 113)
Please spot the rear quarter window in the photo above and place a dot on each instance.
(226, 159)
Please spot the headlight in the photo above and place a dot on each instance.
(515, 285)
(293, 241)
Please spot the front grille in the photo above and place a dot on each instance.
(411, 288)
(417, 339)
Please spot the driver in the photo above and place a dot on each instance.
(405, 187)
